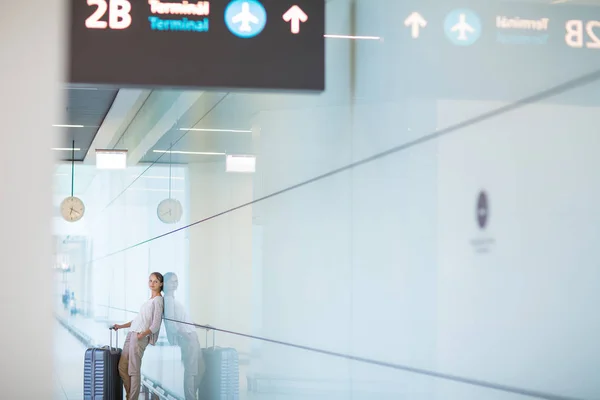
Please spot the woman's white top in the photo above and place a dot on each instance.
(149, 317)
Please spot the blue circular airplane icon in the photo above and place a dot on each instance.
(245, 18)
(462, 27)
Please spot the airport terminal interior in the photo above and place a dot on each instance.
(426, 227)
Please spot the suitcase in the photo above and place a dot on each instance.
(221, 379)
(101, 379)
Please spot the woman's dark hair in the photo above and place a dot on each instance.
(160, 278)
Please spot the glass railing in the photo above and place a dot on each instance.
(236, 365)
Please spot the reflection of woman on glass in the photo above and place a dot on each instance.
(182, 334)
(144, 330)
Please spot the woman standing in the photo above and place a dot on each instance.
(144, 330)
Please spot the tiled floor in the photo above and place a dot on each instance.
(68, 353)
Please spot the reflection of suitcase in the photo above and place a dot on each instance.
(101, 379)
(221, 379)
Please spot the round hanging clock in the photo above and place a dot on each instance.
(72, 209)
(169, 211)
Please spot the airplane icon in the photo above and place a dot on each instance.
(462, 28)
(245, 17)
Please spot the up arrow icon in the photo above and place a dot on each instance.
(295, 15)
(416, 22)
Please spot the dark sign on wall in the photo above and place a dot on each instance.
(253, 44)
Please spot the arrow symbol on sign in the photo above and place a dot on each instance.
(416, 22)
(295, 15)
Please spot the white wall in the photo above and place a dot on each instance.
(522, 314)
(220, 254)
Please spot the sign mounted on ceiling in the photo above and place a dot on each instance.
(223, 44)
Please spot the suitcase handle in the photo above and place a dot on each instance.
(111, 329)
(214, 333)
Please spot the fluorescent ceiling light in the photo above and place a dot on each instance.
(198, 153)
(65, 148)
(111, 159)
(239, 163)
(157, 177)
(353, 37)
(68, 126)
(215, 130)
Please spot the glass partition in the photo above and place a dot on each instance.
(423, 229)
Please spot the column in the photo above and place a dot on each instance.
(31, 44)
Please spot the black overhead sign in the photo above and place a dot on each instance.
(228, 44)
